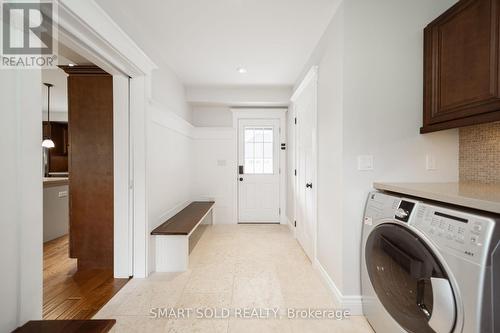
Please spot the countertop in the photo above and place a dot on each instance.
(54, 181)
(484, 197)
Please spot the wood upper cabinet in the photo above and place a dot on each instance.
(58, 156)
(461, 66)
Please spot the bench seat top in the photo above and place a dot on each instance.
(186, 220)
(67, 326)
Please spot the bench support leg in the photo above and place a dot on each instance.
(172, 253)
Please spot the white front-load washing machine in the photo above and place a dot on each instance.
(429, 267)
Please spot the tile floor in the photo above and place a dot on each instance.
(233, 267)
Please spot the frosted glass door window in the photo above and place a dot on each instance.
(259, 150)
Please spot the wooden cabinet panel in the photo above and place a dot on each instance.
(58, 156)
(461, 66)
(91, 189)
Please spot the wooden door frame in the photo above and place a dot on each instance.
(310, 78)
(88, 30)
(261, 113)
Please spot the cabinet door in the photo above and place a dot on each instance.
(461, 66)
(58, 132)
(58, 156)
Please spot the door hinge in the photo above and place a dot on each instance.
(295, 120)
(295, 172)
(295, 223)
(279, 211)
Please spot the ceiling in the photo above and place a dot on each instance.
(205, 41)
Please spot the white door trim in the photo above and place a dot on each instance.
(261, 113)
(87, 23)
(86, 27)
(293, 137)
(310, 78)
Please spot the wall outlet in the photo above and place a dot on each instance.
(365, 162)
(430, 162)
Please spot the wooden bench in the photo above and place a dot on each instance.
(176, 238)
(67, 326)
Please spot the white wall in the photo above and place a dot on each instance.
(188, 163)
(259, 96)
(370, 103)
(383, 64)
(212, 116)
(169, 93)
(169, 151)
(214, 170)
(58, 94)
(20, 198)
(330, 149)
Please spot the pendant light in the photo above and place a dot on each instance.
(47, 141)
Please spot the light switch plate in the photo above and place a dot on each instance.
(430, 162)
(365, 162)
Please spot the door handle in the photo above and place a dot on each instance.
(309, 185)
(443, 314)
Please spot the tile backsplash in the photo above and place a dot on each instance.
(480, 153)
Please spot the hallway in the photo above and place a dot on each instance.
(233, 267)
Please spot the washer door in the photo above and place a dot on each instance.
(409, 280)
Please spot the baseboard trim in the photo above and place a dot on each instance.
(351, 303)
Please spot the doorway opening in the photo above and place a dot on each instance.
(78, 188)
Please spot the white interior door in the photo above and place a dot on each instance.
(305, 110)
(258, 174)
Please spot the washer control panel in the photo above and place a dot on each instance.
(465, 234)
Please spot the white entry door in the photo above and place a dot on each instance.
(258, 174)
(305, 196)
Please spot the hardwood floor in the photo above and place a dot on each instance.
(72, 294)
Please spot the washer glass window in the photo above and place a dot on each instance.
(400, 267)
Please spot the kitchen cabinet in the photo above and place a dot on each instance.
(57, 156)
(461, 66)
